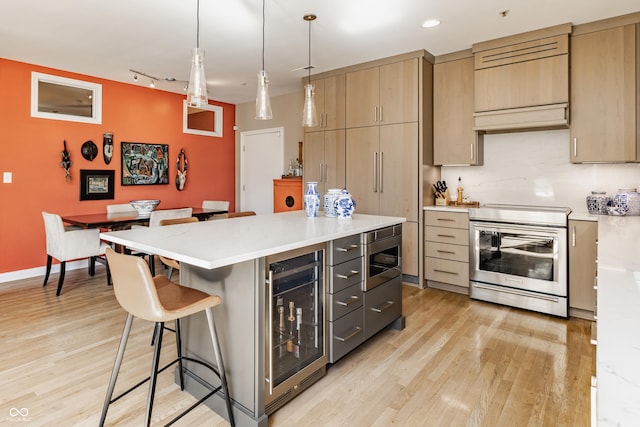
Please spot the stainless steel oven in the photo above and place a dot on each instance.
(518, 257)
(383, 256)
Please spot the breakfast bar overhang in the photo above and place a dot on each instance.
(227, 257)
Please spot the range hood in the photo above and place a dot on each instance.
(521, 82)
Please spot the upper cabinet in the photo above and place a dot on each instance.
(330, 103)
(383, 95)
(604, 95)
(454, 140)
(522, 81)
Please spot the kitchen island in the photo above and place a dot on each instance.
(618, 339)
(227, 257)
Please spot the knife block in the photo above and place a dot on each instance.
(444, 202)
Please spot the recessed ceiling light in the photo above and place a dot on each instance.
(430, 23)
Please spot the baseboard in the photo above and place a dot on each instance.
(40, 271)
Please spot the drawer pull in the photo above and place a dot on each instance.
(445, 235)
(351, 300)
(387, 305)
(446, 252)
(351, 247)
(353, 333)
(445, 219)
(445, 271)
(347, 276)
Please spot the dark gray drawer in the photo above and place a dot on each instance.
(345, 274)
(345, 334)
(345, 301)
(382, 305)
(344, 249)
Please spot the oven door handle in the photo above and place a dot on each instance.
(513, 292)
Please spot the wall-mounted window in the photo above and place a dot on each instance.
(202, 121)
(61, 98)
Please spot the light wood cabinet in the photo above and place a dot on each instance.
(382, 169)
(330, 103)
(454, 140)
(446, 261)
(324, 159)
(386, 94)
(583, 237)
(604, 95)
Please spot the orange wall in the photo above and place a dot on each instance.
(30, 148)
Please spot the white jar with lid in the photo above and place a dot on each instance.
(328, 204)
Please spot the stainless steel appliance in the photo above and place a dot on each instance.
(383, 255)
(383, 279)
(295, 335)
(518, 256)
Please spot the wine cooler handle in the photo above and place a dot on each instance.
(270, 331)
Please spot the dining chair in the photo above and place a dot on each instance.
(172, 263)
(218, 205)
(121, 208)
(66, 245)
(158, 215)
(239, 214)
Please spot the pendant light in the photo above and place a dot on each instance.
(309, 114)
(197, 89)
(263, 103)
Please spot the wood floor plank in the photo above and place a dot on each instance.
(458, 362)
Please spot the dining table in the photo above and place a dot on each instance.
(120, 220)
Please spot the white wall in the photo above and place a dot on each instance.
(533, 168)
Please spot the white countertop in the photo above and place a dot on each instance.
(584, 216)
(618, 349)
(446, 208)
(222, 242)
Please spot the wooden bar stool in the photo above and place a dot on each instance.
(159, 300)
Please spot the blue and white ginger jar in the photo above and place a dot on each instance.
(345, 205)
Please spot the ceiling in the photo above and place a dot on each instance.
(108, 38)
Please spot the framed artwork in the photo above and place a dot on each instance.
(144, 164)
(96, 184)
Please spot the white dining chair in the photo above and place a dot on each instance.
(159, 215)
(217, 205)
(66, 245)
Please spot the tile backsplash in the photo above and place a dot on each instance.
(533, 168)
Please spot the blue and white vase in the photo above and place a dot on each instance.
(312, 199)
(627, 199)
(345, 205)
(329, 201)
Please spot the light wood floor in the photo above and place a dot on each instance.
(457, 363)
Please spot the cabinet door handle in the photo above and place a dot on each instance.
(353, 333)
(573, 236)
(348, 248)
(351, 300)
(326, 175)
(383, 307)
(472, 152)
(381, 114)
(375, 114)
(320, 172)
(381, 169)
(445, 271)
(375, 171)
(575, 147)
(347, 276)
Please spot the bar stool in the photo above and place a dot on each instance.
(159, 300)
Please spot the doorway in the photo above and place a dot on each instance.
(261, 161)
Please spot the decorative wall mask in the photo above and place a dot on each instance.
(181, 166)
(66, 162)
(107, 147)
(89, 150)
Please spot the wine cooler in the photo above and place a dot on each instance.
(296, 354)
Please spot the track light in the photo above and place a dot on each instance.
(152, 84)
(135, 77)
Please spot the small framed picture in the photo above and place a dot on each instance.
(96, 184)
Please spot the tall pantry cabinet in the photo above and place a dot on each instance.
(388, 144)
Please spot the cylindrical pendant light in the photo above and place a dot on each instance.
(309, 114)
(197, 89)
(263, 103)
